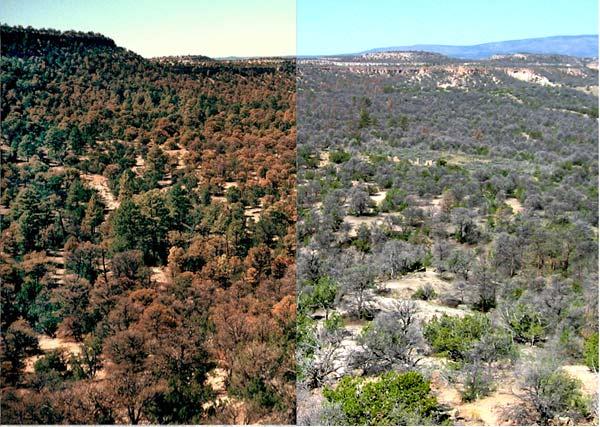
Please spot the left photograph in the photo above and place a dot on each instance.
(148, 212)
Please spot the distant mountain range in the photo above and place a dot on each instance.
(584, 46)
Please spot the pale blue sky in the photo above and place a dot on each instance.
(170, 27)
(285, 27)
(345, 26)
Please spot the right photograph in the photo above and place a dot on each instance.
(447, 187)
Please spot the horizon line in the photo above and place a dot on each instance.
(447, 45)
(297, 55)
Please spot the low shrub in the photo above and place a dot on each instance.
(590, 352)
(552, 393)
(526, 323)
(477, 382)
(339, 156)
(425, 293)
(454, 336)
(393, 399)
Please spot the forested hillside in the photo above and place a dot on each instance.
(148, 235)
(448, 240)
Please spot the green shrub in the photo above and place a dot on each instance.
(339, 156)
(454, 336)
(334, 322)
(43, 313)
(233, 194)
(394, 201)
(526, 323)
(307, 157)
(305, 327)
(393, 399)
(535, 134)
(552, 393)
(321, 296)
(424, 293)
(562, 395)
(51, 370)
(590, 352)
(52, 361)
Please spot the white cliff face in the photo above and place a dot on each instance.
(443, 73)
(460, 76)
(405, 56)
(529, 76)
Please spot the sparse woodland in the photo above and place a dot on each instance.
(148, 236)
(441, 251)
(448, 241)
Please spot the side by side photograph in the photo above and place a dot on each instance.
(299, 212)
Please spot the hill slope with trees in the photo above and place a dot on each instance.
(148, 235)
(448, 240)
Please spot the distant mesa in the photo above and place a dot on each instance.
(183, 58)
(18, 40)
(583, 46)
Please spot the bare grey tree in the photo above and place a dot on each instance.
(391, 340)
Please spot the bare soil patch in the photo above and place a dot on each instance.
(489, 411)
(589, 379)
(515, 205)
(159, 275)
(48, 344)
(356, 221)
(100, 184)
(180, 154)
(323, 159)
(139, 165)
(378, 197)
(407, 285)
(253, 213)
